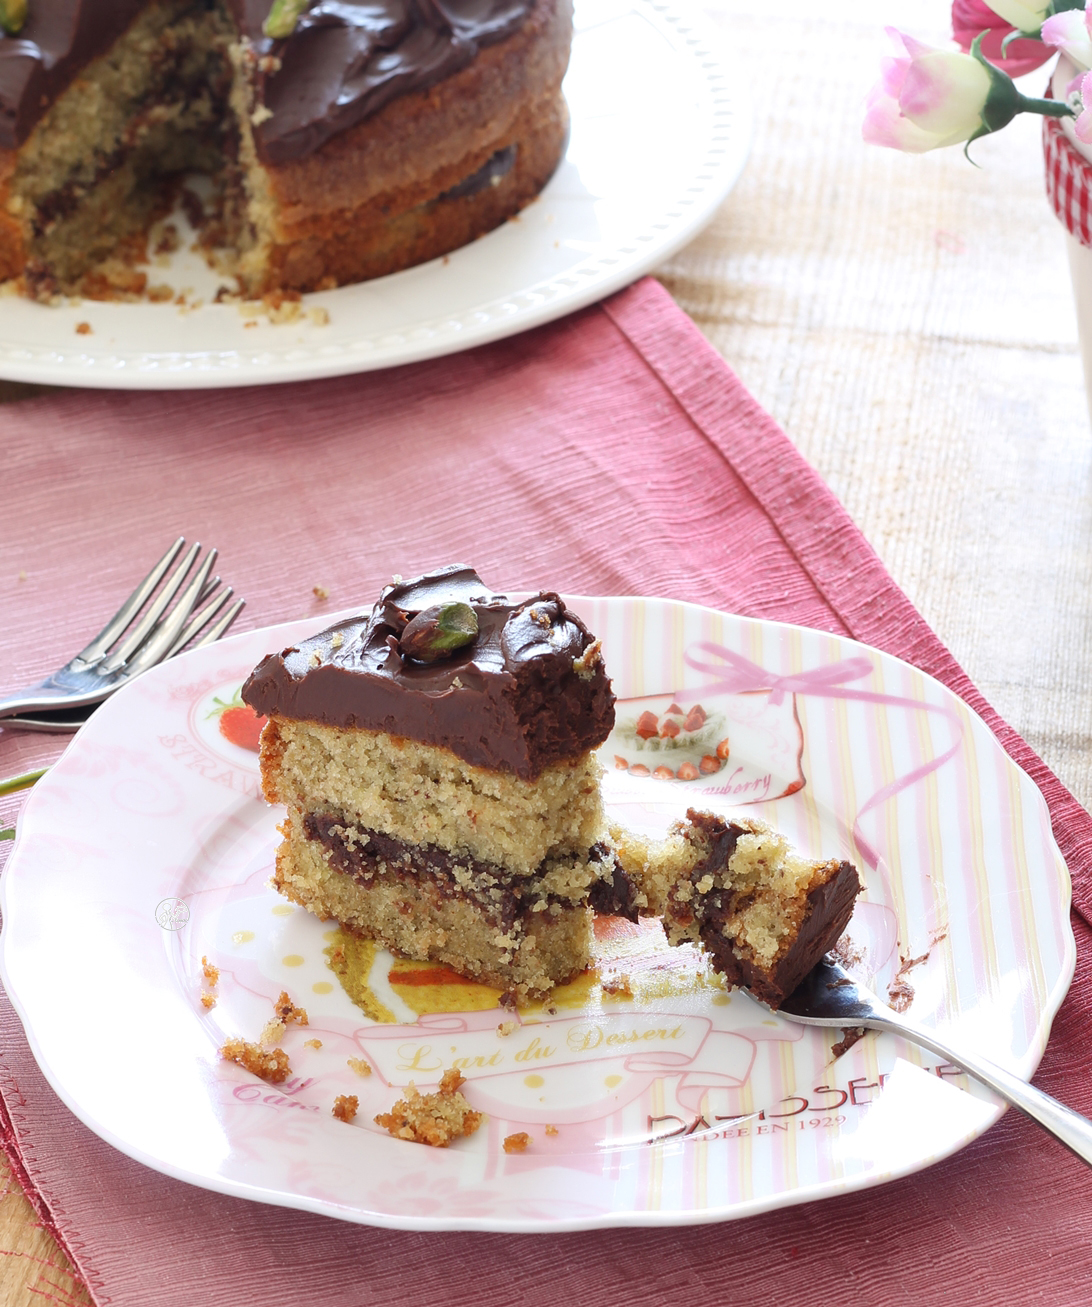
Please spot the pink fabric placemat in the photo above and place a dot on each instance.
(610, 453)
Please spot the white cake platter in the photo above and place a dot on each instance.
(660, 134)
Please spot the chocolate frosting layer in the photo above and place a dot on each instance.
(520, 698)
(345, 60)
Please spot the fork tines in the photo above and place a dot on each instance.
(143, 633)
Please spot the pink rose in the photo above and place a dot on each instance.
(1070, 32)
(970, 17)
(926, 98)
(1083, 125)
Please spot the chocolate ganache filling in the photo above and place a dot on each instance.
(370, 856)
(528, 692)
(344, 61)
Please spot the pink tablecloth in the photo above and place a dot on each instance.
(613, 453)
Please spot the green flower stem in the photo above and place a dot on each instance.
(24, 782)
(1048, 108)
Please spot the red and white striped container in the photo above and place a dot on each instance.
(1069, 188)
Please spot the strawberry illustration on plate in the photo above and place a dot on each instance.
(238, 723)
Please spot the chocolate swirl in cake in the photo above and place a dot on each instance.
(529, 692)
(343, 62)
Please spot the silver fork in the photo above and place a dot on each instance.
(829, 996)
(130, 643)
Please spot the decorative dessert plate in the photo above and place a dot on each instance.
(660, 133)
(650, 1094)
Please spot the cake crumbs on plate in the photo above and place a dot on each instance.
(360, 1065)
(271, 1066)
(210, 972)
(507, 1027)
(320, 592)
(433, 1119)
(83, 329)
(288, 1012)
(312, 1043)
(208, 1001)
(516, 1143)
(272, 1032)
(345, 1107)
(551, 1130)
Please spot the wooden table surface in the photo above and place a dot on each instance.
(909, 322)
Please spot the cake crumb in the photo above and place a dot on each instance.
(208, 1001)
(272, 1032)
(433, 1119)
(507, 1027)
(211, 973)
(551, 1130)
(336, 640)
(617, 986)
(360, 1065)
(315, 660)
(320, 592)
(850, 1036)
(261, 114)
(169, 240)
(345, 1106)
(516, 1143)
(288, 1012)
(271, 1066)
(83, 329)
(312, 1043)
(585, 666)
(319, 316)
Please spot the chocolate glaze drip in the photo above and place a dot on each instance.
(345, 60)
(504, 898)
(510, 701)
(829, 907)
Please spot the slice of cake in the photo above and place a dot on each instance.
(763, 912)
(437, 761)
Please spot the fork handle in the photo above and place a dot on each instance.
(1066, 1125)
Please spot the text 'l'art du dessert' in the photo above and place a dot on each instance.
(437, 761)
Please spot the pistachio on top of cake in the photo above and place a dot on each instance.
(13, 14)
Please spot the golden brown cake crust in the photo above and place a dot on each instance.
(421, 144)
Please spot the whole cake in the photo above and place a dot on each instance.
(349, 138)
(436, 758)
